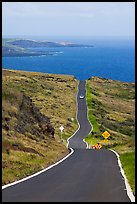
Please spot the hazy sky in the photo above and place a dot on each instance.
(68, 18)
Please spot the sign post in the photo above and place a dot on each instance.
(61, 130)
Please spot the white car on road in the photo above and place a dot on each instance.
(81, 96)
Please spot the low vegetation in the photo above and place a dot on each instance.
(128, 163)
(111, 107)
(33, 105)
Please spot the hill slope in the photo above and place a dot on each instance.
(33, 108)
(20, 47)
(112, 108)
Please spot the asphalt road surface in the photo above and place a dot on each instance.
(85, 176)
(76, 142)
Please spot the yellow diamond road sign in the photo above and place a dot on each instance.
(106, 134)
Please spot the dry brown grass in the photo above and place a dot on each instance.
(55, 96)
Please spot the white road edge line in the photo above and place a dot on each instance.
(36, 174)
(78, 122)
(76, 118)
(129, 191)
(128, 188)
(88, 119)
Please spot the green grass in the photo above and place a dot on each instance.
(111, 107)
(91, 140)
(91, 117)
(128, 164)
(109, 113)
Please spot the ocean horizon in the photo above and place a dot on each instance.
(111, 58)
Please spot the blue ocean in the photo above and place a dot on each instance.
(108, 58)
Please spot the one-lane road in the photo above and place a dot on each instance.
(85, 176)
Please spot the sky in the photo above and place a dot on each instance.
(68, 19)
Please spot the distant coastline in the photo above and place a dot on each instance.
(113, 59)
(20, 47)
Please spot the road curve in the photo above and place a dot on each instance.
(85, 176)
(76, 142)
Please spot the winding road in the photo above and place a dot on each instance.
(86, 175)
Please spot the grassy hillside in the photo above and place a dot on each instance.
(111, 107)
(32, 105)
